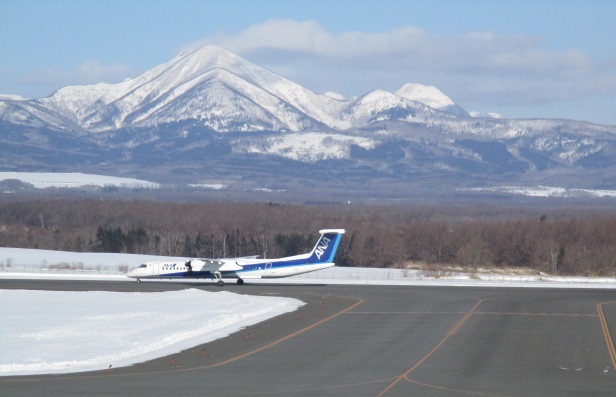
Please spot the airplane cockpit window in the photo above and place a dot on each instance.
(143, 265)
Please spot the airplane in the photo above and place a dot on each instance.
(248, 267)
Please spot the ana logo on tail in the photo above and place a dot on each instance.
(322, 246)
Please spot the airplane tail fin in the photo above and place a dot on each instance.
(326, 247)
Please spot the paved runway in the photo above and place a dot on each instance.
(375, 341)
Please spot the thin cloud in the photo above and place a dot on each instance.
(499, 68)
(89, 72)
(310, 38)
(95, 71)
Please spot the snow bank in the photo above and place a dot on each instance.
(61, 332)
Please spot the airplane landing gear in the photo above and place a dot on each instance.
(139, 280)
(219, 281)
(240, 281)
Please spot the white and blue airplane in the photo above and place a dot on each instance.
(245, 268)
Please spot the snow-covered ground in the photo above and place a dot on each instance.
(305, 146)
(59, 332)
(547, 191)
(296, 146)
(42, 180)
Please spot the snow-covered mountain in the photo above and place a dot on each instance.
(216, 89)
(221, 90)
(208, 111)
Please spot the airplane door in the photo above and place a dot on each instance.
(268, 269)
(155, 269)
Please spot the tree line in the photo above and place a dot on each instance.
(555, 241)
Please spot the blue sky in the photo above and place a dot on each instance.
(522, 58)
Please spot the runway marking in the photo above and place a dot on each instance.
(398, 313)
(537, 314)
(448, 335)
(285, 338)
(488, 313)
(609, 341)
(463, 320)
(474, 393)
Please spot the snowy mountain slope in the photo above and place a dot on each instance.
(304, 146)
(191, 87)
(376, 105)
(32, 114)
(223, 102)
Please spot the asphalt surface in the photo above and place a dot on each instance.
(374, 341)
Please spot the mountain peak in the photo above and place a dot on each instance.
(431, 96)
(210, 57)
(425, 94)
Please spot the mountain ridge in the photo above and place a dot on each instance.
(208, 112)
(103, 106)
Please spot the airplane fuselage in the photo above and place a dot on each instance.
(264, 269)
(321, 257)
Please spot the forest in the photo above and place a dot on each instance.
(556, 241)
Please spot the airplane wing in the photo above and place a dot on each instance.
(219, 265)
(220, 260)
(225, 264)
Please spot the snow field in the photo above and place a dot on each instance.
(61, 332)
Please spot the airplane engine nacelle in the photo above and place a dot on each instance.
(197, 264)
